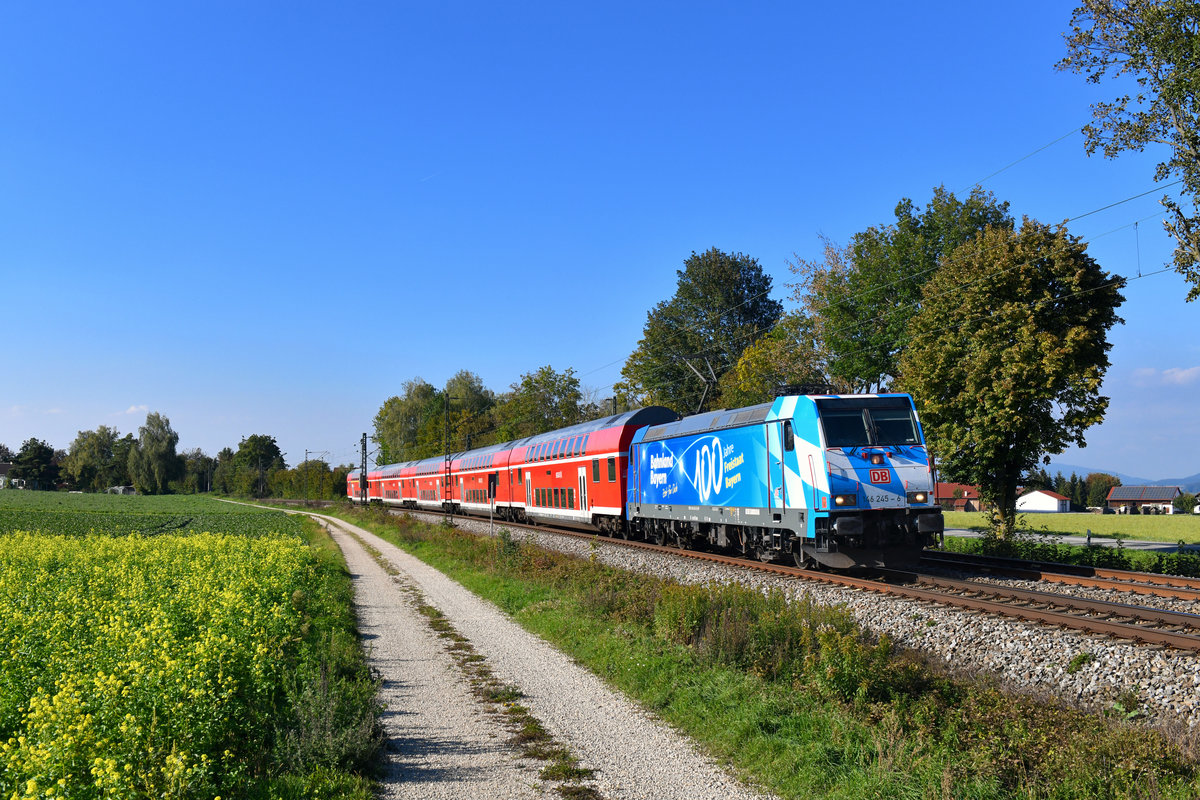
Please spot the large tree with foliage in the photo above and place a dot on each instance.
(541, 401)
(1006, 356)
(153, 464)
(1098, 485)
(787, 356)
(858, 299)
(720, 307)
(198, 468)
(472, 423)
(258, 456)
(6, 455)
(96, 460)
(36, 464)
(408, 424)
(1157, 44)
(413, 424)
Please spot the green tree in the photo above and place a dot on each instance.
(153, 463)
(224, 473)
(257, 457)
(720, 307)
(1074, 489)
(403, 422)
(94, 461)
(859, 299)
(541, 401)
(1098, 484)
(36, 465)
(1038, 478)
(787, 356)
(1157, 44)
(472, 423)
(6, 455)
(1185, 503)
(198, 468)
(1006, 356)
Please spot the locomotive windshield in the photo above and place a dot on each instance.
(866, 422)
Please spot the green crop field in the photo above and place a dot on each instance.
(159, 647)
(1151, 528)
(79, 514)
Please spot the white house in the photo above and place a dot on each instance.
(1043, 500)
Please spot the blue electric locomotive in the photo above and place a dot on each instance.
(833, 480)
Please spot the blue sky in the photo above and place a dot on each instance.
(263, 217)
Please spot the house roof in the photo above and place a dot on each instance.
(1150, 493)
(1046, 492)
(947, 490)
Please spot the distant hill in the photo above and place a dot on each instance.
(1190, 484)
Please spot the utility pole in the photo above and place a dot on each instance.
(446, 496)
(362, 481)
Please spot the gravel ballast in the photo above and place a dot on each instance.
(441, 741)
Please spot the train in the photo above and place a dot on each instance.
(822, 480)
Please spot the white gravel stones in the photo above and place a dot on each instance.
(441, 744)
(1033, 658)
(446, 750)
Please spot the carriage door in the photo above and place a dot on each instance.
(583, 498)
(775, 435)
(493, 482)
(528, 490)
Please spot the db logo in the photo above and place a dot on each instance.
(881, 476)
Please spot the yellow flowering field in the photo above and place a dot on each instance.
(146, 666)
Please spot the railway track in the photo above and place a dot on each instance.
(1143, 625)
(1145, 583)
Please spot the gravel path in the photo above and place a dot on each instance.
(442, 744)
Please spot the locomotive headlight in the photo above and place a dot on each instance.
(845, 500)
(877, 459)
(918, 497)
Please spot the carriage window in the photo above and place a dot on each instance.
(789, 439)
(556, 498)
(612, 470)
(595, 470)
(570, 498)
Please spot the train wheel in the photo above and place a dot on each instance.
(658, 536)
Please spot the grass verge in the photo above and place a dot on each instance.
(1041, 547)
(1171, 528)
(792, 694)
